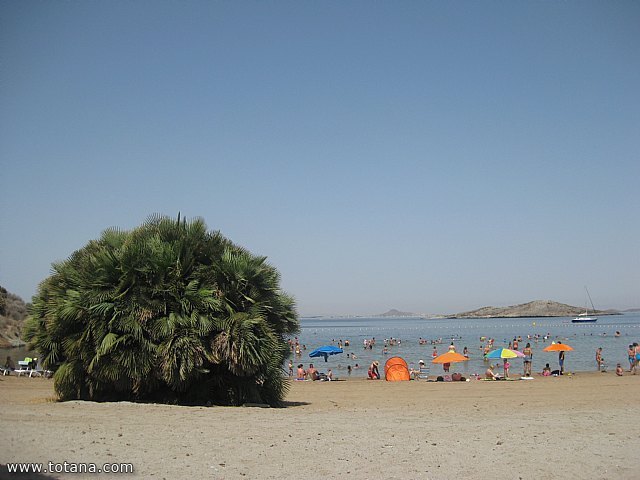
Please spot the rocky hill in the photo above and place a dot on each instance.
(13, 312)
(537, 308)
(397, 313)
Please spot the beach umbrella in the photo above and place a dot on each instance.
(557, 347)
(450, 357)
(504, 353)
(325, 352)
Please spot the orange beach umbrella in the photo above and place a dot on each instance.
(449, 357)
(557, 347)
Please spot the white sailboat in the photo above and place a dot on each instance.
(585, 317)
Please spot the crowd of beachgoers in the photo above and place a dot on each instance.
(376, 351)
(521, 347)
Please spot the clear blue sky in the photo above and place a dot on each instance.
(426, 156)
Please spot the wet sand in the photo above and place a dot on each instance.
(583, 426)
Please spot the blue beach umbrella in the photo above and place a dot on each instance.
(325, 352)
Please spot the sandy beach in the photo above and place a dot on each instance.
(581, 426)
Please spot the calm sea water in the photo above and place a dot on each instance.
(584, 338)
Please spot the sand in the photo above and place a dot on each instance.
(584, 426)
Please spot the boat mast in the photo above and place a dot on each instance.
(592, 307)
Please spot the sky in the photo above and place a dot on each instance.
(432, 157)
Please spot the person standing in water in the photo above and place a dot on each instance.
(528, 359)
(599, 358)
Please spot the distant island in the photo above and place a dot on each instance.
(397, 313)
(537, 308)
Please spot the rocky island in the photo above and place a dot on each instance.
(537, 308)
(397, 313)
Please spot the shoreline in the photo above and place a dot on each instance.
(582, 424)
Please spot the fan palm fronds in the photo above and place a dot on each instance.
(166, 311)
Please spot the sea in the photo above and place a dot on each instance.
(614, 333)
(584, 338)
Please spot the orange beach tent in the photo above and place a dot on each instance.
(396, 370)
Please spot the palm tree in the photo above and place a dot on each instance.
(168, 311)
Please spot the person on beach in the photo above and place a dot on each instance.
(599, 358)
(446, 367)
(528, 359)
(619, 370)
(631, 354)
(546, 371)
(373, 372)
(329, 375)
(506, 365)
(290, 368)
(561, 361)
(422, 368)
(301, 373)
(489, 375)
(452, 347)
(465, 352)
(9, 365)
(414, 373)
(312, 373)
(434, 354)
(637, 350)
(349, 370)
